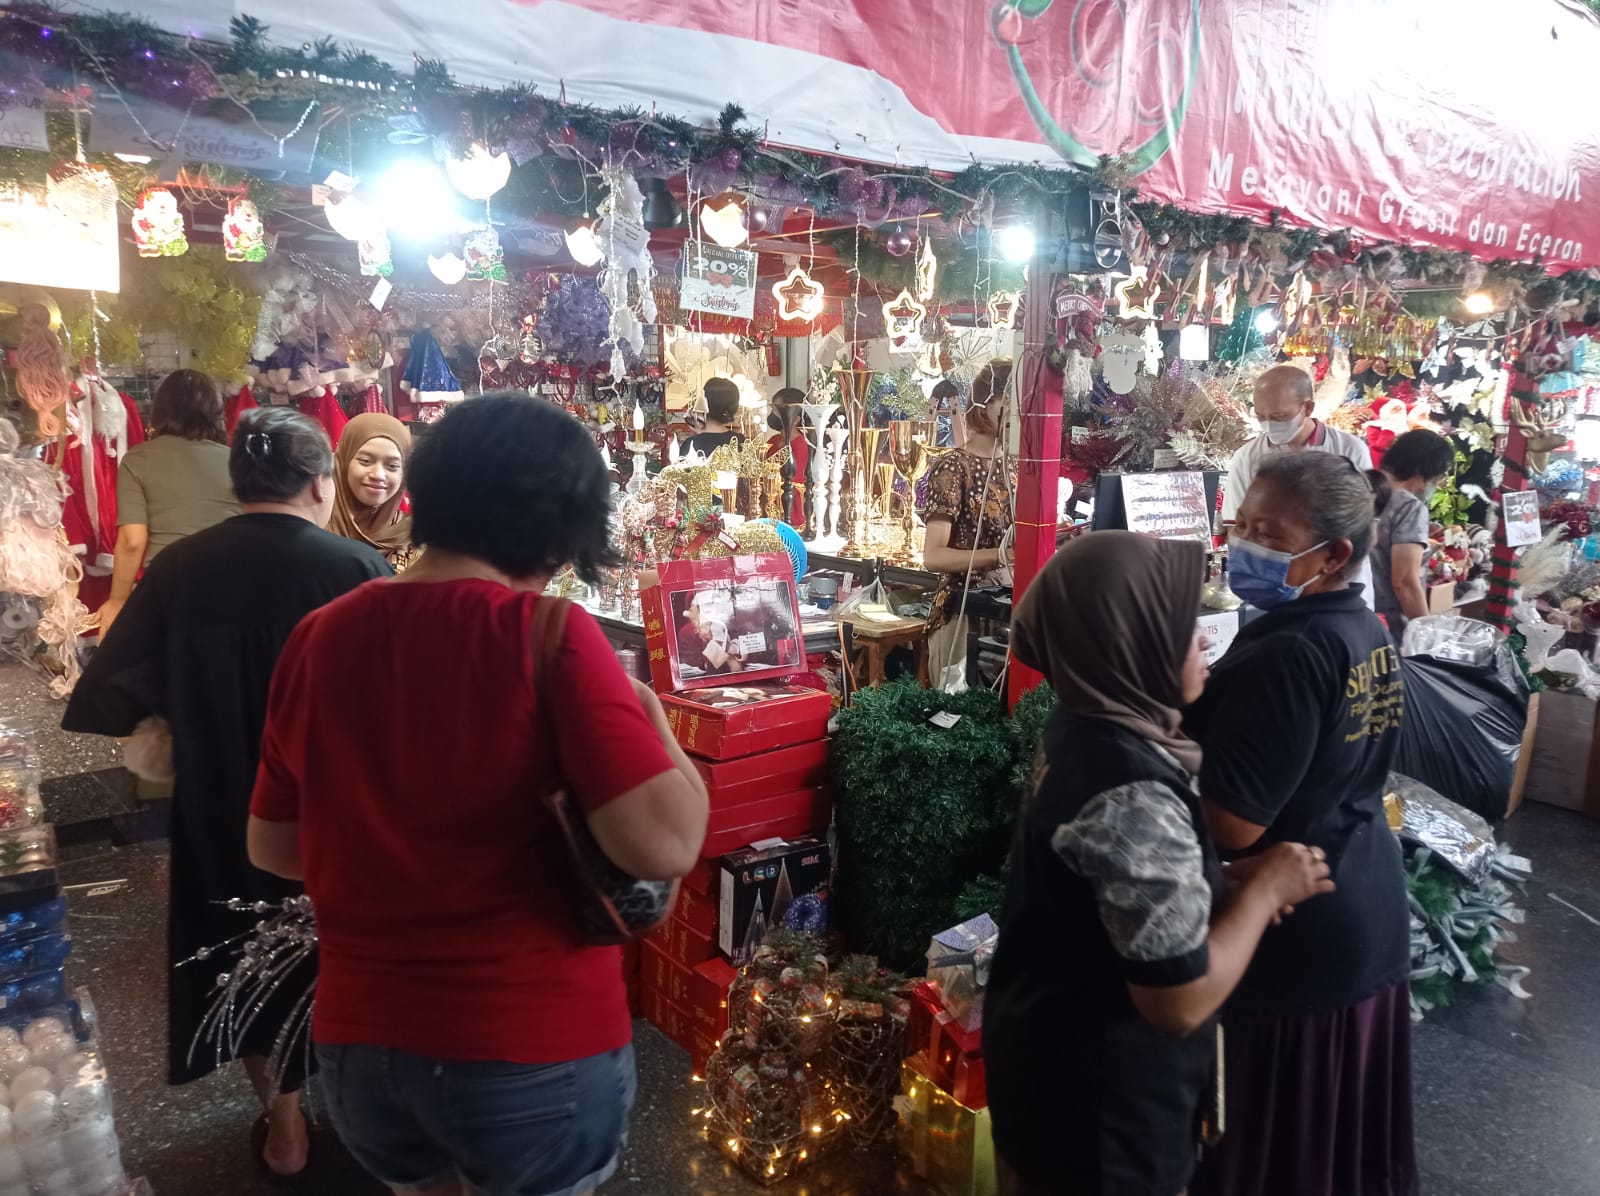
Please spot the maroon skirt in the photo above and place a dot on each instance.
(1317, 1106)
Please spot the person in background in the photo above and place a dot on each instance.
(370, 475)
(799, 449)
(1285, 399)
(969, 519)
(722, 409)
(1413, 468)
(1300, 724)
(1118, 940)
(195, 647)
(172, 485)
(469, 1041)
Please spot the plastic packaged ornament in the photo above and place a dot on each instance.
(244, 237)
(86, 1101)
(35, 1115)
(15, 1058)
(49, 1051)
(30, 1080)
(12, 1170)
(486, 260)
(5, 1122)
(158, 225)
(43, 1156)
(41, 1028)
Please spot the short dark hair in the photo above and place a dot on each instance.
(789, 396)
(722, 400)
(276, 452)
(515, 482)
(989, 385)
(1331, 496)
(1418, 454)
(187, 404)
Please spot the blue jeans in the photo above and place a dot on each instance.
(506, 1129)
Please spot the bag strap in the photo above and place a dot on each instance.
(547, 632)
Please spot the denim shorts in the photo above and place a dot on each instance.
(506, 1129)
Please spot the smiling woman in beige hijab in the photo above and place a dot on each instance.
(369, 486)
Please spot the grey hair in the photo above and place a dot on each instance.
(1333, 497)
(276, 452)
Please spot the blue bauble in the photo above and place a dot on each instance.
(807, 914)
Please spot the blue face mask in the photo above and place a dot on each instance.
(1260, 576)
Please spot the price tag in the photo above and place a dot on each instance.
(380, 293)
(944, 719)
(751, 643)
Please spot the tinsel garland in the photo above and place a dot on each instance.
(1457, 927)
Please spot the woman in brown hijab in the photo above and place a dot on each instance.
(369, 486)
(1118, 939)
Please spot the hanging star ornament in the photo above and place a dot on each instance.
(1003, 309)
(1137, 296)
(902, 317)
(798, 296)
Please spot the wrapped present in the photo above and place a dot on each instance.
(779, 816)
(682, 943)
(970, 1083)
(698, 910)
(947, 1143)
(666, 975)
(958, 962)
(708, 620)
(764, 888)
(736, 721)
(925, 1005)
(751, 778)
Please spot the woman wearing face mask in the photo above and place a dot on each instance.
(1117, 943)
(369, 480)
(1413, 468)
(199, 639)
(1299, 725)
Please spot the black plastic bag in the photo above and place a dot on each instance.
(1462, 730)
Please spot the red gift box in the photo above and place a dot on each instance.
(731, 722)
(702, 879)
(709, 986)
(709, 621)
(926, 1005)
(666, 976)
(697, 908)
(971, 1086)
(750, 778)
(667, 1016)
(683, 943)
(786, 816)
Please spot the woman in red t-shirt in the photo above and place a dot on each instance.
(469, 1040)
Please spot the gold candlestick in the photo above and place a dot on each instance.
(854, 387)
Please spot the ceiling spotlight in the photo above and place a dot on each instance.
(1479, 303)
(1015, 243)
(417, 202)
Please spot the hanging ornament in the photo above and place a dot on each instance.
(927, 271)
(1136, 297)
(244, 237)
(349, 217)
(480, 174)
(724, 225)
(1003, 307)
(158, 225)
(486, 260)
(1120, 354)
(1194, 343)
(1225, 300)
(899, 243)
(373, 253)
(902, 317)
(584, 247)
(448, 269)
(799, 298)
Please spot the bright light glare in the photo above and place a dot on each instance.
(1479, 303)
(1266, 321)
(1016, 243)
(417, 202)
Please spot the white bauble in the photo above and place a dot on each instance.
(42, 1027)
(50, 1049)
(35, 1115)
(30, 1080)
(85, 1101)
(43, 1156)
(11, 1169)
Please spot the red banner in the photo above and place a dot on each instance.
(1465, 124)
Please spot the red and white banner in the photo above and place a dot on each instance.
(1465, 124)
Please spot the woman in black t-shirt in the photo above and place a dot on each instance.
(1300, 723)
(1098, 1021)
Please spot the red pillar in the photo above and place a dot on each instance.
(1502, 574)
(1039, 462)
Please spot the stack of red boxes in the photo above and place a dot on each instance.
(760, 745)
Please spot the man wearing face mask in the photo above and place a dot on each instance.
(1284, 401)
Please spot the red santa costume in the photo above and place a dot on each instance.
(240, 401)
(102, 425)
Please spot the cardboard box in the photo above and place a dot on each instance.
(702, 878)
(760, 886)
(786, 816)
(750, 778)
(732, 722)
(1565, 769)
(728, 618)
(1519, 779)
(1442, 598)
(697, 908)
(666, 976)
(682, 943)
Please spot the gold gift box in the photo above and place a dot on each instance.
(948, 1144)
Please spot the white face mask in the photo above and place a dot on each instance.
(1280, 432)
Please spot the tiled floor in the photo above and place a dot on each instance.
(1507, 1091)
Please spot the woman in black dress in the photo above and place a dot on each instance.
(1117, 944)
(1300, 723)
(196, 645)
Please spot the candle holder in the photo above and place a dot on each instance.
(854, 387)
(908, 449)
(818, 414)
(640, 477)
(836, 455)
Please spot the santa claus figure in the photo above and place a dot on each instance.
(102, 425)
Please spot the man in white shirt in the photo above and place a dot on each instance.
(1284, 401)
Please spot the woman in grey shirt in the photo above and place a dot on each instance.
(173, 485)
(1412, 469)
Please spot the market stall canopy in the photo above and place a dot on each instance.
(1455, 123)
